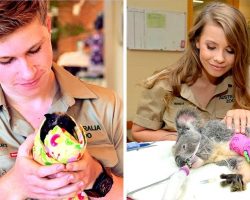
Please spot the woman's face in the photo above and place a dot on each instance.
(216, 55)
(26, 60)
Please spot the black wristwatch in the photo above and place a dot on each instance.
(102, 184)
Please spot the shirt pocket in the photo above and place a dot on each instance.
(221, 111)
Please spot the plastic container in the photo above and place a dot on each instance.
(175, 184)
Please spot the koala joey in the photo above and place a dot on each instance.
(199, 144)
(57, 118)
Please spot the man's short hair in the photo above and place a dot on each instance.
(18, 13)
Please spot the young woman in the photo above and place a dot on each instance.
(212, 76)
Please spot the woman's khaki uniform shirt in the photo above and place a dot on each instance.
(152, 113)
(97, 109)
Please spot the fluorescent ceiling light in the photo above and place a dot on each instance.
(197, 1)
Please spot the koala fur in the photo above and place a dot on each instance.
(57, 118)
(199, 144)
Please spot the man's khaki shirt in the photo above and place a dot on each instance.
(97, 109)
(152, 113)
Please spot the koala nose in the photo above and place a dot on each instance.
(180, 161)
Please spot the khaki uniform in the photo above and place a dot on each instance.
(152, 114)
(97, 109)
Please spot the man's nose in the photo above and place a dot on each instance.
(27, 69)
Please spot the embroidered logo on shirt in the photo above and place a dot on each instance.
(91, 128)
(2, 172)
(3, 145)
(228, 97)
(179, 103)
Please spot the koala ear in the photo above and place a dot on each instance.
(67, 120)
(48, 116)
(51, 117)
(187, 116)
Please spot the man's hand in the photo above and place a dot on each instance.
(87, 169)
(29, 179)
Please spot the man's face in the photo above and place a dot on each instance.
(26, 60)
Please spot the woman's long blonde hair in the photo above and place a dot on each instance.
(188, 68)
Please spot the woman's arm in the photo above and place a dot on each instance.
(142, 134)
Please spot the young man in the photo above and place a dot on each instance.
(31, 86)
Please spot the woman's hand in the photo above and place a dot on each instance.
(29, 179)
(238, 119)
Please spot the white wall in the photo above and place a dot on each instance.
(113, 50)
(141, 64)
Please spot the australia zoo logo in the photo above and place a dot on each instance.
(228, 98)
(91, 128)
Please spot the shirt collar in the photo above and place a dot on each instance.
(2, 98)
(222, 87)
(187, 93)
(72, 86)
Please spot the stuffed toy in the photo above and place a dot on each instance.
(240, 143)
(59, 140)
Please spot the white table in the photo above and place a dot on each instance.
(149, 165)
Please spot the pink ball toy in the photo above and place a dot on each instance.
(240, 143)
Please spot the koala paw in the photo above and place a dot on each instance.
(234, 180)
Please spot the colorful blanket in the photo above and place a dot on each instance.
(60, 147)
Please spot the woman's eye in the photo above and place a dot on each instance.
(231, 51)
(210, 47)
(35, 50)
